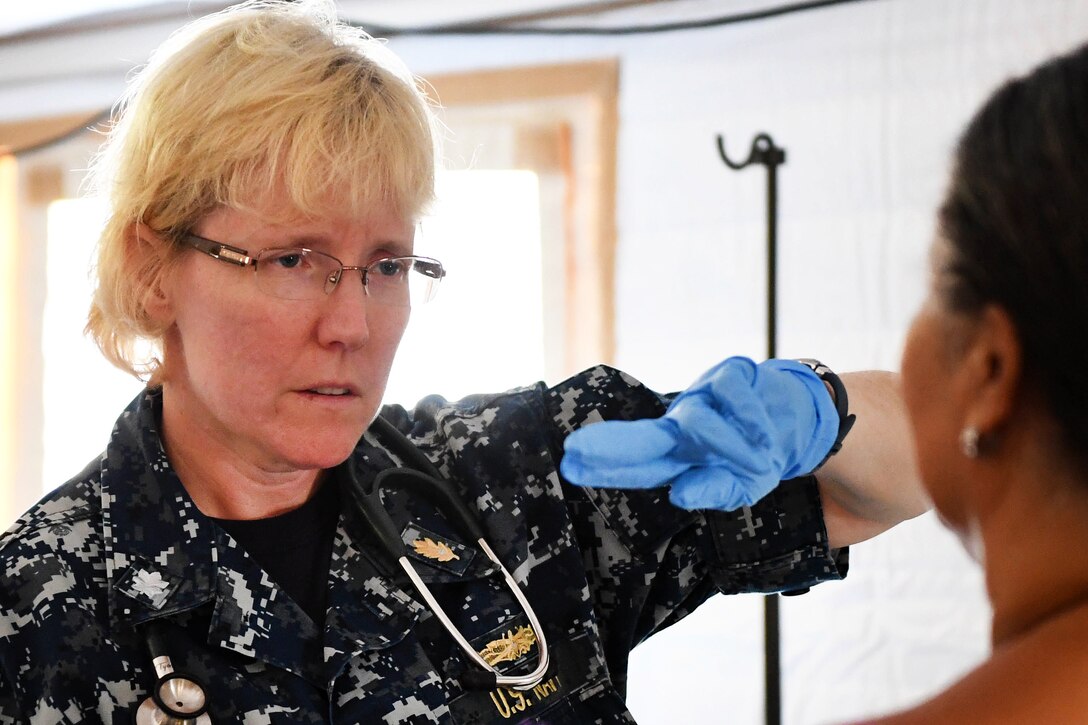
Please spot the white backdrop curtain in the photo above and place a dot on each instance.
(868, 99)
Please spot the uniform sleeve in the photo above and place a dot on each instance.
(55, 663)
(649, 563)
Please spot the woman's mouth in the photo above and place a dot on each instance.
(330, 391)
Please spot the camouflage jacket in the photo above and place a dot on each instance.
(122, 544)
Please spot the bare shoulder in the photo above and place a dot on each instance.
(1037, 678)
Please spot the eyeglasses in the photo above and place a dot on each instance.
(297, 273)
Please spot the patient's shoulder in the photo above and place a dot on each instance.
(1038, 677)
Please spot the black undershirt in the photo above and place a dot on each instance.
(295, 548)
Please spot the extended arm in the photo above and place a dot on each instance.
(872, 483)
(742, 428)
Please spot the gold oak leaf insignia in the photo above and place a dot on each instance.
(437, 550)
(509, 647)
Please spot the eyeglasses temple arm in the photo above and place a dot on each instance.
(219, 250)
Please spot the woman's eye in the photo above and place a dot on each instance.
(289, 261)
(390, 267)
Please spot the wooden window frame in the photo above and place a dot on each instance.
(590, 240)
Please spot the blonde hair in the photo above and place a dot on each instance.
(266, 98)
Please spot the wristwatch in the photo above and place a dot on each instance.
(838, 397)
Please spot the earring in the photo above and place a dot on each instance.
(969, 441)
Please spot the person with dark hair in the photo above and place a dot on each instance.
(995, 385)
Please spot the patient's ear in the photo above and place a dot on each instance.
(991, 372)
(149, 254)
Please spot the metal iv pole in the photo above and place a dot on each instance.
(766, 153)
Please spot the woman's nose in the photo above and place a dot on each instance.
(344, 312)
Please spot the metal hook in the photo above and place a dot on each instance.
(763, 151)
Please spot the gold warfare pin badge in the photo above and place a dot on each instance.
(509, 647)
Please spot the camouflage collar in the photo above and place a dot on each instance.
(158, 546)
(164, 557)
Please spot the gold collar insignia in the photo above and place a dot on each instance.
(437, 550)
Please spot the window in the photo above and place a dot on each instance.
(9, 420)
(484, 332)
(560, 122)
(30, 183)
(82, 393)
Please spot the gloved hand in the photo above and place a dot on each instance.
(725, 442)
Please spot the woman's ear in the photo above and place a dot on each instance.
(991, 371)
(148, 248)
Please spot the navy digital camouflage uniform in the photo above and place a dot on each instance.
(122, 545)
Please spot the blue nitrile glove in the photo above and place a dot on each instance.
(725, 442)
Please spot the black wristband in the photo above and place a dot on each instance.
(839, 398)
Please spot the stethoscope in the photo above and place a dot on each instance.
(424, 478)
(179, 698)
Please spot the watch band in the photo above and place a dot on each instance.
(839, 398)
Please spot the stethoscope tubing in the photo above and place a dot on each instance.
(430, 481)
(188, 704)
(517, 682)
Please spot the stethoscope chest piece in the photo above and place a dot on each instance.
(151, 714)
(177, 699)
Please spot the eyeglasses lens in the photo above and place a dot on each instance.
(303, 274)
